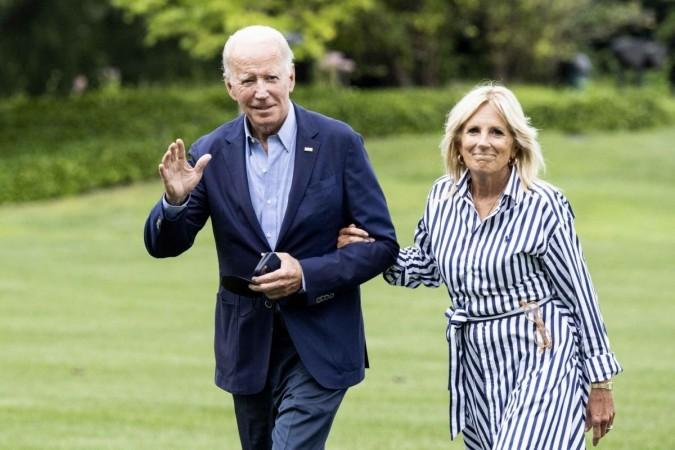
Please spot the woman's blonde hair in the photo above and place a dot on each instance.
(528, 158)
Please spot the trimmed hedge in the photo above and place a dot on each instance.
(56, 146)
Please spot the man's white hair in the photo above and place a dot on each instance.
(252, 35)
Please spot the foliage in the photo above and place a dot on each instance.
(666, 31)
(51, 47)
(430, 41)
(47, 45)
(54, 147)
(203, 27)
(58, 147)
(403, 43)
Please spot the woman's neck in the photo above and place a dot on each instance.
(489, 186)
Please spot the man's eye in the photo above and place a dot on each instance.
(272, 78)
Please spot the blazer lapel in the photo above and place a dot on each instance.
(302, 169)
(234, 158)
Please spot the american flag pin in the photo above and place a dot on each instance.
(309, 149)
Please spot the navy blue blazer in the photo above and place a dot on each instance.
(333, 185)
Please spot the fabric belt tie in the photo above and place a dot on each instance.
(457, 318)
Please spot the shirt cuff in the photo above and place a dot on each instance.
(171, 212)
(602, 367)
(394, 275)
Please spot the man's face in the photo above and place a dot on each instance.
(261, 84)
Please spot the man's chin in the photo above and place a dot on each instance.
(262, 118)
(266, 126)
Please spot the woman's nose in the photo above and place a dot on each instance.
(484, 140)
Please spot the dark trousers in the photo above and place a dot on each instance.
(293, 411)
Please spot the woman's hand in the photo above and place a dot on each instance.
(351, 235)
(599, 413)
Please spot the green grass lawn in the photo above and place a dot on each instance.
(103, 347)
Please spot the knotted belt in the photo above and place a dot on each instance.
(457, 318)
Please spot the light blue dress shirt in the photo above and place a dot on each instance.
(270, 175)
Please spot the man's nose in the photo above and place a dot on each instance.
(261, 89)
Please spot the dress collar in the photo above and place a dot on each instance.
(513, 190)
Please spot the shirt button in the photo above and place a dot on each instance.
(269, 202)
(269, 235)
(264, 170)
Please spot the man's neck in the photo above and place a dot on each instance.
(263, 134)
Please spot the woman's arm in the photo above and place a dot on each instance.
(414, 265)
(567, 270)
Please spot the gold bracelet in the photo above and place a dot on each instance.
(607, 385)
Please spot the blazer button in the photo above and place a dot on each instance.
(268, 303)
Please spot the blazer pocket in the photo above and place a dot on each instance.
(226, 297)
(321, 185)
(242, 305)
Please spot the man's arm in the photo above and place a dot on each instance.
(169, 233)
(352, 265)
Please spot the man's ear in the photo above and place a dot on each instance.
(292, 78)
(230, 89)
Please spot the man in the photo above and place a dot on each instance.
(284, 179)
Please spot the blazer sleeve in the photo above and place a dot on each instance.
(366, 206)
(166, 237)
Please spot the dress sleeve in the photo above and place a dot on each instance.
(567, 270)
(416, 264)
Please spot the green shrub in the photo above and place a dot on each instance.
(595, 109)
(55, 146)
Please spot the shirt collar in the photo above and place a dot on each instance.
(513, 190)
(462, 185)
(286, 133)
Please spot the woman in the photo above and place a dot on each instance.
(530, 362)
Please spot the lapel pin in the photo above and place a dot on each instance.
(309, 149)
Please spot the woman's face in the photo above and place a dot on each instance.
(486, 144)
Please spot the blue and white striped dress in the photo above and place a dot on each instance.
(505, 391)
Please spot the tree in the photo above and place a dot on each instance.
(399, 42)
(47, 45)
(431, 41)
(203, 27)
